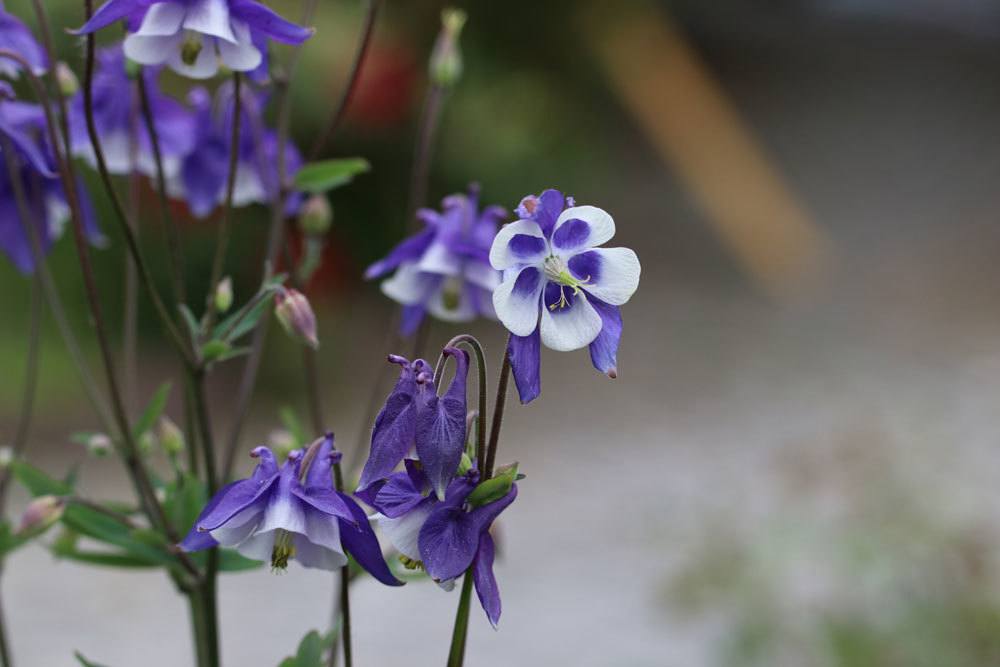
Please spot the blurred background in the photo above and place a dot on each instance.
(797, 463)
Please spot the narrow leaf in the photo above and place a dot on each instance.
(319, 177)
(153, 410)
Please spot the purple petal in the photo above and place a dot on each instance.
(449, 538)
(233, 499)
(550, 204)
(13, 238)
(359, 540)
(409, 249)
(398, 495)
(114, 10)
(410, 319)
(525, 354)
(15, 36)
(318, 474)
(204, 174)
(392, 434)
(24, 145)
(262, 19)
(196, 540)
(485, 581)
(327, 501)
(440, 434)
(604, 349)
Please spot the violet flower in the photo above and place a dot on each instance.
(16, 36)
(117, 114)
(444, 269)
(22, 131)
(558, 287)
(279, 515)
(415, 417)
(195, 37)
(203, 176)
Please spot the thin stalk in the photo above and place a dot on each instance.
(5, 659)
(456, 655)
(176, 264)
(208, 589)
(367, 30)
(130, 309)
(498, 409)
(343, 611)
(430, 118)
(226, 224)
(198, 626)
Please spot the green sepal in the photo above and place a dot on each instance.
(494, 488)
(319, 177)
(214, 350)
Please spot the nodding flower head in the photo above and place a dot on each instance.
(559, 287)
(296, 316)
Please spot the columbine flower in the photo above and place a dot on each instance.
(414, 416)
(194, 37)
(280, 514)
(204, 172)
(558, 286)
(21, 128)
(117, 114)
(445, 268)
(15, 36)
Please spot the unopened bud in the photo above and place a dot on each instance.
(99, 445)
(41, 514)
(316, 216)
(171, 437)
(68, 83)
(446, 59)
(147, 443)
(224, 295)
(296, 315)
(6, 457)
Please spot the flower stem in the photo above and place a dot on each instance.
(5, 659)
(498, 410)
(456, 655)
(367, 30)
(176, 263)
(343, 611)
(430, 118)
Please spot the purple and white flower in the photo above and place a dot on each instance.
(444, 270)
(559, 288)
(203, 176)
(22, 132)
(16, 36)
(195, 37)
(281, 514)
(117, 114)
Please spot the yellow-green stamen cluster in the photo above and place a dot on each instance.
(284, 549)
(191, 49)
(451, 293)
(557, 271)
(411, 564)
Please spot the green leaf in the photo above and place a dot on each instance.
(494, 488)
(83, 661)
(310, 650)
(214, 350)
(294, 426)
(185, 498)
(319, 177)
(231, 561)
(137, 543)
(103, 558)
(194, 329)
(9, 540)
(37, 482)
(153, 411)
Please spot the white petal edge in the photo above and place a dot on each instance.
(210, 17)
(152, 50)
(204, 67)
(408, 285)
(519, 313)
(573, 327)
(500, 255)
(439, 259)
(285, 513)
(404, 532)
(242, 56)
(239, 527)
(317, 556)
(602, 225)
(619, 278)
(162, 19)
(464, 310)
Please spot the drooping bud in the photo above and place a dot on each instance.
(99, 445)
(69, 85)
(223, 299)
(316, 216)
(171, 437)
(296, 315)
(446, 59)
(41, 514)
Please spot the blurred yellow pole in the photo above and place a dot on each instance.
(696, 129)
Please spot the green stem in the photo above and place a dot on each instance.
(456, 655)
(198, 626)
(498, 410)
(5, 659)
(344, 605)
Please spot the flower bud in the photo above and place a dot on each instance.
(446, 59)
(41, 514)
(146, 443)
(223, 300)
(69, 85)
(6, 457)
(316, 216)
(296, 315)
(99, 445)
(171, 437)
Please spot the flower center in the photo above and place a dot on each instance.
(411, 564)
(191, 48)
(451, 293)
(558, 272)
(283, 549)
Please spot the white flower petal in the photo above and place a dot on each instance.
(238, 528)
(404, 532)
(210, 17)
(322, 529)
(516, 299)
(483, 275)
(153, 50)
(572, 327)
(582, 227)
(461, 311)
(247, 189)
(520, 242)
(242, 56)
(285, 513)
(613, 273)
(162, 19)
(258, 546)
(316, 556)
(439, 259)
(409, 285)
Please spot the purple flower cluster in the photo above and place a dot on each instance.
(444, 269)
